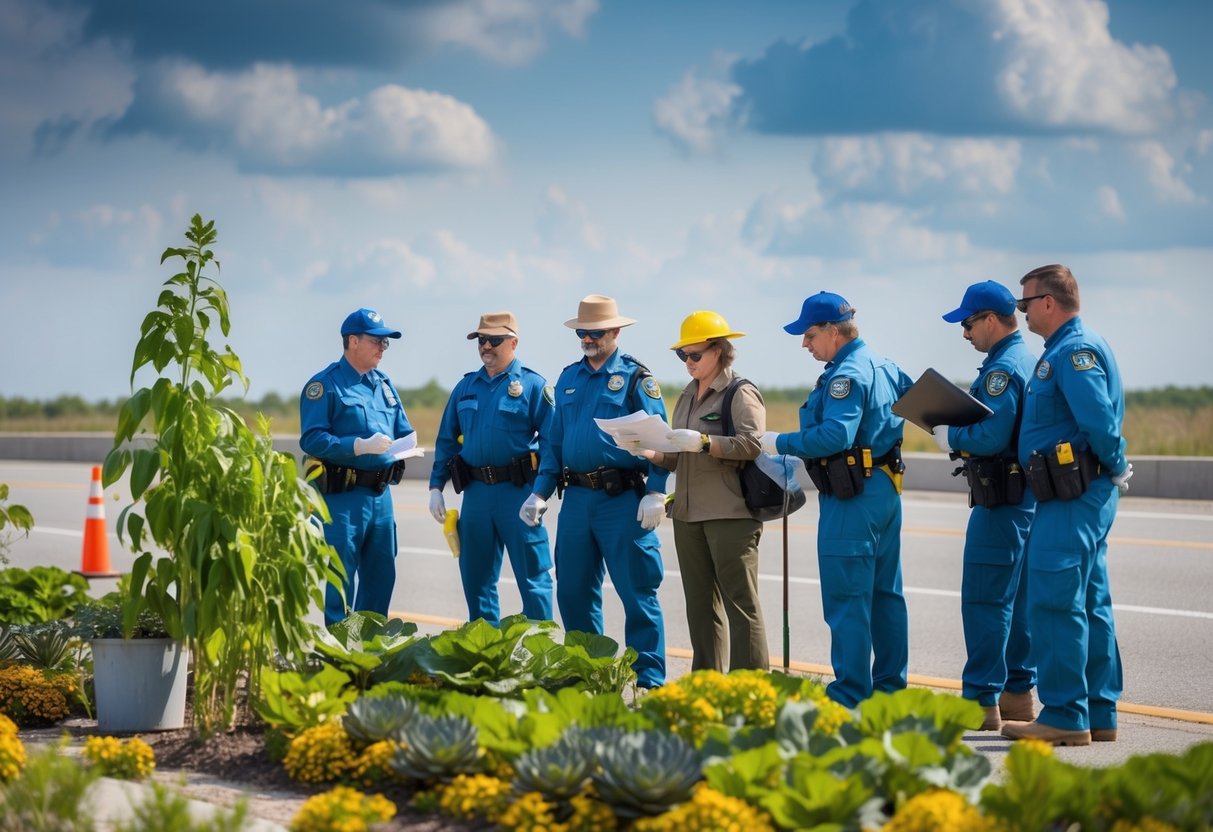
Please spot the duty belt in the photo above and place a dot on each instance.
(491, 474)
(612, 480)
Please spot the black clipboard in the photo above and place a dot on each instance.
(933, 400)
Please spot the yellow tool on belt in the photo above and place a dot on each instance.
(450, 528)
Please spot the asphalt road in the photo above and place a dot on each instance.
(1160, 559)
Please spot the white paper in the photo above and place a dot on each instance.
(405, 447)
(649, 428)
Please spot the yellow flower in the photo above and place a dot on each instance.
(129, 760)
(938, 810)
(12, 751)
(342, 809)
(320, 754)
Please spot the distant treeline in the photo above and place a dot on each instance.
(434, 395)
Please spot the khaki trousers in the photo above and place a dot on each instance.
(719, 564)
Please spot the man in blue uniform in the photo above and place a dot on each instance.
(1072, 446)
(851, 442)
(498, 413)
(999, 673)
(349, 415)
(612, 500)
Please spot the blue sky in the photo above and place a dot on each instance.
(437, 160)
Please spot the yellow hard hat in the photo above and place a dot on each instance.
(703, 326)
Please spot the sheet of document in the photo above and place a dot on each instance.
(405, 447)
(649, 428)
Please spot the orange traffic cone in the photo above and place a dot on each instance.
(95, 559)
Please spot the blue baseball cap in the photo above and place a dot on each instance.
(367, 322)
(821, 308)
(986, 296)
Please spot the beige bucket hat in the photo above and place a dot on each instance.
(496, 323)
(598, 312)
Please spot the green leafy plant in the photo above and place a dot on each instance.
(45, 646)
(242, 559)
(437, 748)
(362, 644)
(166, 811)
(43, 593)
(519, 654)
(293, 702)
(103, 618)
(374, 719)
(644, 772)
(14, 519)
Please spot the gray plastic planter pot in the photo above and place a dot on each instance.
(140, 684)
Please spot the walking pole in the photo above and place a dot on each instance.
(786, 637)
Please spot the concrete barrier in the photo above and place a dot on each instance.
(1168, 477)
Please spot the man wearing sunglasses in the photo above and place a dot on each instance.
(349, 415)
(488, 447)
(1072, 445)
(612, 501)
(998, 673)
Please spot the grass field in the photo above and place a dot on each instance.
(1151, 429)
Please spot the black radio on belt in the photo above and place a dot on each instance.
(1062, 473)
(993, 480)
(842, 474)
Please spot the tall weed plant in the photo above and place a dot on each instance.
(226, 551)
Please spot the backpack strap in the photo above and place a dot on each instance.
(726, 404)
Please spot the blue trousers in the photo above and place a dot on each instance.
(599, 534)
(363, 531)
(1070, 610)
(993, 603)
(859, 559)
(489, 520)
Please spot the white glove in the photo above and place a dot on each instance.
(632, 446)
(437, 505)
(652, 509)
(940, 434)
(768, 442)
(685, 439)
(375, 444)
(532, 510)
(1121, 480)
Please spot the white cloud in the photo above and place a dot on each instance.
(1109, 202)
(976, 67)
(507, 31)
(875, 232)
(908, 162)
(695, 111)
(1160, 171)
(270, 124)
(563, 222)
(1064, 69)
(52, 82)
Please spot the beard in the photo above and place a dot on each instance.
(592, 350)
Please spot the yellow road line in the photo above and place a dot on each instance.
(825, 670)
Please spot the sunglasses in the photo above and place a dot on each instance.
(592, 334)
(968, 323)
(382, 343)
(1022, 303)
(495, 340)
(683, 355)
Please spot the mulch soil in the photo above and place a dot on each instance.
(238, 757)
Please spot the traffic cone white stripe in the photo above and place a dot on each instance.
(95, 556)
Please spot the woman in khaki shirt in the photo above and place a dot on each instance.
(714, 533)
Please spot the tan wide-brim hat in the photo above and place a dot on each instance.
(496, 323)
(598, 312)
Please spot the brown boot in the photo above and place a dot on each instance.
(1047, 733)
(1103, 735)
(992, 721)
(1017, 707)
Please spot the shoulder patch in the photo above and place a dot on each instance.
(651, 388)
(1083, 360)
(840, 388)
(997, 382)
(549, 394)
(314, 390)
(1044, 369)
